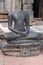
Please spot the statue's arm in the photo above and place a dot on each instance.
(10, 19)
(27, 24)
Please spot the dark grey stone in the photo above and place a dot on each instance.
(19, 35)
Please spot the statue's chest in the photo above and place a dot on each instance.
(19, 16)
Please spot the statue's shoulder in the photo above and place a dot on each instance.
(10, 13)
(17, 12)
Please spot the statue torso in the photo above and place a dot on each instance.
(19, 19)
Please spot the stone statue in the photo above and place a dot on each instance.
(20, 35)
(21, 27)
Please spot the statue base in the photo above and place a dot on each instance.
(21, 49)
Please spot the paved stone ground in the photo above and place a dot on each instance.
(11, 60)
(37, 28)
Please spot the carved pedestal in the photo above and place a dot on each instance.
(21, 49)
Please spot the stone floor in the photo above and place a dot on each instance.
(11, 60)
(38, 27)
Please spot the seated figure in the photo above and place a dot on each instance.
(20, 30)
(17, 40)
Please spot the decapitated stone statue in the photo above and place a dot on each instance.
(20, 30)
(20, 35)
(21, 27)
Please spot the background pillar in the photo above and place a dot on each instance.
(28, 6)
(8, 5)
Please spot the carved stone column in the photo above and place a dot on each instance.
(1, 5)
(13, 5)
(27, 6)
(16, 5)
(8, 5)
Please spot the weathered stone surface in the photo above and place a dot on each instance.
(1, 7)
(28, 6)
(21, 50)
(18, 4)
(25, 51)
(34, 52)
(28, 1)
(8, 5)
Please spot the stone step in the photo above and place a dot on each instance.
(34, 53)
(3, 20)
(3, 17)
